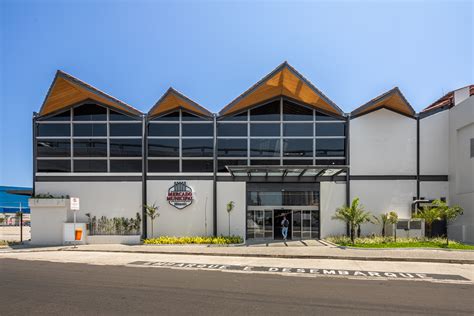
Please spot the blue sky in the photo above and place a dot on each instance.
(212, 51)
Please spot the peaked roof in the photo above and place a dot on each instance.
(173, 100)
(66, 90)
(393, 100)
(446, 100)
(282, 81)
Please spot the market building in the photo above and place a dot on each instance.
(281, 148)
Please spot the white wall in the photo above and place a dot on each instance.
(384, 196)
(434, 144)
(231, 191)
(383, 142)
(111, 199)
(461, 168)
(332, 195)
(194, 220)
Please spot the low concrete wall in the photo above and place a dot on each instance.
(47, 219)
(114, 239)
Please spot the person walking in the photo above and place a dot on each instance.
(284, 227)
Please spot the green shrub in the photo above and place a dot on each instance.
(172, 240)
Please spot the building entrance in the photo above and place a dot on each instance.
(278, 216)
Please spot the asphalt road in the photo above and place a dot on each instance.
(40, 287)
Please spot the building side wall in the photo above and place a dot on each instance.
(434, 144)
(382, 196)
(194, 220)
(383, 143)
(231, 191)
(461, 168)
(111, 199)
(434, 190)
(332, 196)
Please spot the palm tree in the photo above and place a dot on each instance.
(230, 207)
(152, 212)
(353, 215)
(382, 220)
(429, 214)
(447, 213)
(392, 218)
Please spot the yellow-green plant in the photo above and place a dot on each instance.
(354, 215)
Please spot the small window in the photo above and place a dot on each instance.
(53, 165)
(232, 147)
(163, 165)
(53, 148)
(198, 166)
(63, 116)
(265, 130)
(221, 164)
(267, 112)
(163, 129)
(90, 130)
(233, 130)
(198, 130)
(90, 112)
(298, 129)
(125, 129)
(330, 129)
(238, 117)
(90, 148)
(197, 147)
(116, 116)
(163, 147)
(264, 147)
(125, 165)
(54, 130)
(330, 147)
(185, 116)
(295, 112)
(90, 165)
(298, 147)
(171, 117)
(125, 147)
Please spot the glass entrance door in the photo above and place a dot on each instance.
(260, 224)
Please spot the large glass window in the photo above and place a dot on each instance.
(230, 129)
(163, 129)
(170, 117)
(54, 130)
(90, 112)
(116, 116)
(128, 165)
(324, 117)
(298, 147)
(298, 129)
(197, 165)
(267, 112)
(63, 116)
(90, 130)
(163, 165)
(265, 129)
(330, 129)
(90, 148)
(221, 164)
(264, 147)
(163, 147)
(185, 116)
(198, 130)
(238, 117)
(197, 147)
(330, 147)
(53, 148)
(90, 165)
(232, 147)
(295, 112)
(265, 162)
(297, 162)
(53, 165)
(125, 147)
(126, 129)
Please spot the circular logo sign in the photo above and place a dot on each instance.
(180, 195)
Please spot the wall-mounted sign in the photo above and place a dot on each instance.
(180, 195)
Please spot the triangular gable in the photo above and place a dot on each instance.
(173, 100)
(283, 81)
(391, 100)
(66, 91)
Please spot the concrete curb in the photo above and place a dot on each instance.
(283, 256)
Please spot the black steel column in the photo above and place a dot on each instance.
(417, 157)
(34, 152)
(144, 174)
(348, 176)
(214, 180)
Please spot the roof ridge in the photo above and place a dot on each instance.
(381, 97)
(172, 90)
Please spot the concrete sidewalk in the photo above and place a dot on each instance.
(316, 252)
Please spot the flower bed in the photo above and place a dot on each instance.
(389, 242)
(171, 240)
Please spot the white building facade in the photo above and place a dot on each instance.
(281, 149)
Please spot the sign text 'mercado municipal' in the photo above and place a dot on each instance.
(312, 271)
(180, 195)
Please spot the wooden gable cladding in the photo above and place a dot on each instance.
(173, 100)
(67, 91)
(283, 81)
(392, 100)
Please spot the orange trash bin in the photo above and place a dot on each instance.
(78, 234)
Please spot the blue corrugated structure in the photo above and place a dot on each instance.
(10, 201)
